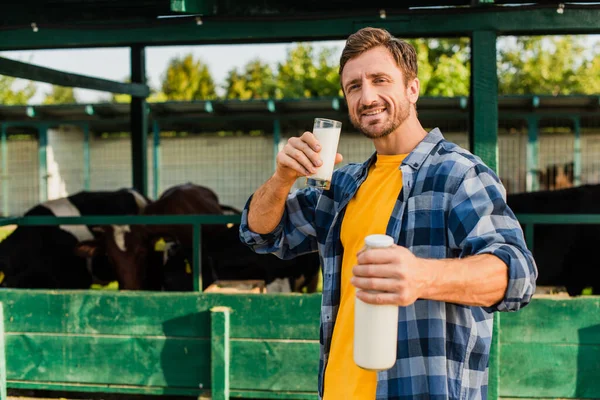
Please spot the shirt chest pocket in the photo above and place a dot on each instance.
(426, 228)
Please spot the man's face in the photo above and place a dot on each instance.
(376, 93)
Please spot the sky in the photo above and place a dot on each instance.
(113, 63)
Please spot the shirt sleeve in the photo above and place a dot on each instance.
(481, 222)
(294, 235)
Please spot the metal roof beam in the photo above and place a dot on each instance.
(36, 73)
(445, 22)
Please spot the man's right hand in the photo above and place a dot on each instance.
(300, 157)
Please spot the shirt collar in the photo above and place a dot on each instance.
(416, 157)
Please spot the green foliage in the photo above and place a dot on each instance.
(188, 79)
(255, 81)
(60, 95)
(10, 96)
(444, 66)
(555, 65)
(299, 76)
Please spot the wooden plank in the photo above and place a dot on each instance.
(2, 358)
(434, 23)
(495, 360)
(36, 73)
(158, 362)
(264, 316)
(483, 133)
(220, 352)
(540, 370)
(554, 320)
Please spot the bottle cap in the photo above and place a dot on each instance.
(379, 241)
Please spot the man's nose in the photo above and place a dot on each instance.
(368, 95)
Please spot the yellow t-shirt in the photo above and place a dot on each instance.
(367, 213)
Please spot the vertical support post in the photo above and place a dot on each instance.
(86, 156)
(529, 235)
(494, 369)
(276, 139)
(156, 158)
(43, 162)
(4, 175)
(2, 357)
(139, 122)
(533, 147)
(483, 133)
(197, 266)
(220, 352)
(577, 152)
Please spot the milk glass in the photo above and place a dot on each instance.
(375, 325)
(327, 132)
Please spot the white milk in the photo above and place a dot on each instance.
(328, 139)
(375, 326)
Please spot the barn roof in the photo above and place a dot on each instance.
(292, 114)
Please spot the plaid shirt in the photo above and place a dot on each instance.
(451, 205)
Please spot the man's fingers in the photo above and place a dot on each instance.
(295, 165)
(301, 158)
(379, 284)
(307, 150)
(377, 256)
(378, 298)
(375, 271)
(338, 158)
(311, 140)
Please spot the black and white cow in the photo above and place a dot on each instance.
(131, 249)
(564, 252)
(47, 256)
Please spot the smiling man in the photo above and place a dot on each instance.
(459, 256)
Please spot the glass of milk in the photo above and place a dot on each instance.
(327, 132)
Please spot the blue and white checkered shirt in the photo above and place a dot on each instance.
(451, 205)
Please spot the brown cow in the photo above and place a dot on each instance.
(131, 247)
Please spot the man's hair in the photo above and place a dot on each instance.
(368, 38)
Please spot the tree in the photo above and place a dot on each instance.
(9, 96)
(555, 65)
(188, 79)
(256, 81)
(298, 76)
(444, 67)
(60, 95)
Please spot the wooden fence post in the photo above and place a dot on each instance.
(220, 356)
(494, 368)
(2, 358)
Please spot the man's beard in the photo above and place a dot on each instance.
(389, 126)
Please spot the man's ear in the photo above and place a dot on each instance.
(412, 90)
(87, 248)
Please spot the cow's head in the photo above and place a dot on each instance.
(127, 248)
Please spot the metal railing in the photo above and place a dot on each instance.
(196, 220)
(528, 220)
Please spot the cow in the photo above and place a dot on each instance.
(224, 256)
(130, 248)
(45, 257)
(562, 251)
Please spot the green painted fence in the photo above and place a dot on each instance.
(255, 346)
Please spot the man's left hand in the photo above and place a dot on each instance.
(399, 277)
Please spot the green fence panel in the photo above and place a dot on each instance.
(551, 349)
(2, 357)
(163, 343)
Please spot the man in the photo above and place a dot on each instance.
(460, 252)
